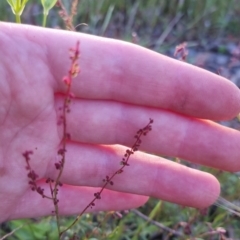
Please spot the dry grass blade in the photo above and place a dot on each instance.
(11, 233)
(172, 231)
(168, 30)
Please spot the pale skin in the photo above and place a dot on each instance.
(120, 87)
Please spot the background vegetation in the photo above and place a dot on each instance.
(156, 22)
(159, 25)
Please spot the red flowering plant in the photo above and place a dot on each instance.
(54, 184)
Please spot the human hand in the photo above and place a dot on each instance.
(119, 88)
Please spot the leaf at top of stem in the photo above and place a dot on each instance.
(17, 6)
(47, 5)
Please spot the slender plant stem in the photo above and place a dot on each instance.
(44, 22)
(73, 72)
(108, 180)
(64, 142)
(18, 18)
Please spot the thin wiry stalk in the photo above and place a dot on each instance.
(109, 180)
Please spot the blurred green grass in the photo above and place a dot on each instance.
(158, 23)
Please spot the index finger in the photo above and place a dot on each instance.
(124, 72)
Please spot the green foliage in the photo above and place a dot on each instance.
(17, 7)
(38, 230)
(197, 19)
(47, 5)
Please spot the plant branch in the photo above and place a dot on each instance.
(108, 180)
(172, 231)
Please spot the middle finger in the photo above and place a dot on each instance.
(173, 135)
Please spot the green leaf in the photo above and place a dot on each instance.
(17, 6)
(47, 5)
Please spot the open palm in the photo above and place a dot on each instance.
(119, 88)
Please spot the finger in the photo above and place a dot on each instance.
(148, 175)
(173, 135)
(124, 72)
(72, 200)
(115, 70)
